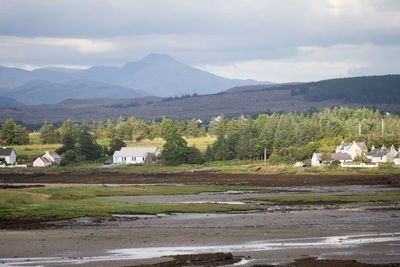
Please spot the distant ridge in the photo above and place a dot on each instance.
(247, 100)
(7, 101)
(44, 92)
(156, 74)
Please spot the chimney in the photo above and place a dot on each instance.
(373, 147)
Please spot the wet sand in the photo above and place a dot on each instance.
(260, 237)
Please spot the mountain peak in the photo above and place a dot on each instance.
(150, 59)
(154, 57)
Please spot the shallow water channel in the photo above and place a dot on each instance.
(265, 245)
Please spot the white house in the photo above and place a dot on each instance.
(133, 155)
(48, 159)
(396, 159)
(53, 156)
(354, 148)
(382, 154)
(317, 160)
(8, 155)
(342, 157)
(42, 162)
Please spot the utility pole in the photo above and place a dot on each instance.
(359, 129)
(383, 126)
(265, 157)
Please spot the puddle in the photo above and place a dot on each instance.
(214, 202)
(156, 252)
(140, 216)
(244, 191)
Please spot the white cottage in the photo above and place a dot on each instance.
(53, 156)
(133, 155)
(396, 160)
(382, 154)
(48, 159)
(8, 155)
(354, 149)
(42, 162)
(317, 158)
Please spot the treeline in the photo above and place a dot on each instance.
(282, 137)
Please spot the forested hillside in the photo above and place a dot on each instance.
(367, 90)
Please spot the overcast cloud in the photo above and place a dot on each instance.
(279, 41)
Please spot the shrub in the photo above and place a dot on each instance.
(334, 165)
(69, 157)
(194, 156)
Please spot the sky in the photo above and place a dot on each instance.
(278, 41)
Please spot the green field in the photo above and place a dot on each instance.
(61, 202)
(312, 199)
(34, 150)
(199, 142)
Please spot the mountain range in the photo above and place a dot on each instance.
(375, 92)
(154, 75)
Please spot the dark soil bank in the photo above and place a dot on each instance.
(201, 178)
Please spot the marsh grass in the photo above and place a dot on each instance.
(62, 202)
(102, 191)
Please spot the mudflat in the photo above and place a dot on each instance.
(367, 232)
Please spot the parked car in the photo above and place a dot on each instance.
(307, 165)
(107, 162)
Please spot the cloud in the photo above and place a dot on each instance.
(332, 37)
(80, 45)
(315, 63)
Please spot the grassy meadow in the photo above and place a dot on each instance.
(63, 202)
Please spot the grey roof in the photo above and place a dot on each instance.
(135, 151)
(378, 152)
(340, 156)
(6, 151)
(345, 146)
(397, 156)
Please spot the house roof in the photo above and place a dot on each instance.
(6, 151)
(53, 154)
(318, 156)
(46, 160)
(334, 156)
(378, 152)
(397, 156)
(340, 156)
(346, 146)
(135, 151)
